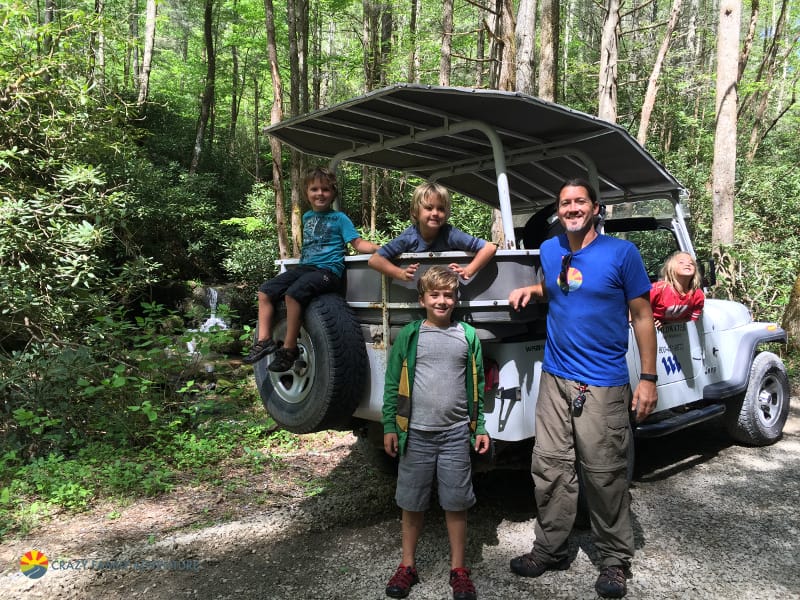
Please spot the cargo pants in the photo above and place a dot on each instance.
(599, 437)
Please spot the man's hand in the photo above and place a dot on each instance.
(645, 398)
(520, 297)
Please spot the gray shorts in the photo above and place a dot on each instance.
(443, 454)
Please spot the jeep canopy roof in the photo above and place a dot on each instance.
(485, 144)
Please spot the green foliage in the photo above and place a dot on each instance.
(252, 250)
(761, 268)
(127, 381)
(33, 490)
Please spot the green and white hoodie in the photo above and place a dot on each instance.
(399, 382)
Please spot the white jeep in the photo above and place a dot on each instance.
(512, 152)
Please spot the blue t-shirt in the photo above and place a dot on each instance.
(587, 326)
(324, 237)
(448, 238)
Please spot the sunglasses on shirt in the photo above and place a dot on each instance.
(563, 278)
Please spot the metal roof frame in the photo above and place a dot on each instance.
(506, 149)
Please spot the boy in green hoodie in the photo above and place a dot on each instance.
(436, 367)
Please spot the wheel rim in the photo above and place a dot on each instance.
(294, 386)
(770, 401)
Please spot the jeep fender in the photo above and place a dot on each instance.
(748, 344)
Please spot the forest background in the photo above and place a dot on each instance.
(133, 169)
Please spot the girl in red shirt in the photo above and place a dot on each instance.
(679, 296)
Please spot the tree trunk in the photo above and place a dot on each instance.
(234, 99)
(49, 15)
(276, 115)
(302, 46)
(386, 40)
(447, 37)
(130, 70)
(526, 46)
(207, 101)
(480, 51)
(692, 45)
(147, 58)
(98, 45)
(256, 131)
(748, 40)
(548, 64)
(237, 88)
(316, 57)
(609, 55)
(413, 55)
(568, 27)
(724, 165)
(297, 15)
(791, 316)
(766, 73)
(652, 83)
(507, 46)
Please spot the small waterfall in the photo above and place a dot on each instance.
(212, 322)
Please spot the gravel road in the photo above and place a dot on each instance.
(712, 520)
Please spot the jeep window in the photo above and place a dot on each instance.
(654, 246)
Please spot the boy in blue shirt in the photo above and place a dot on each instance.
(325, 233)
(430, 232)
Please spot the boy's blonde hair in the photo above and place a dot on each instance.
(422, 192)
(668, 272)
(438, 278)
(323, 174)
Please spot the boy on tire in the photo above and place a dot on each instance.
(325, 233)
(432, 414)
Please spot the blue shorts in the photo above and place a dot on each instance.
(303, 283)
(443, 454)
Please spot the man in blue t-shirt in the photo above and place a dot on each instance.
(592, 282)
(325, 234)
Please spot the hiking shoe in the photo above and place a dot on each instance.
(611, 582)
(284, 359)
(402, 580)
(528, 566)
(260, 349)
(463, 588)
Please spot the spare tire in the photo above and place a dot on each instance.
(327, 382)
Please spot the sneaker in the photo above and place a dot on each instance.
(463, 588)
(284, 359)
(528, 566)
(402, 580)
(611, 582)
(260, 349)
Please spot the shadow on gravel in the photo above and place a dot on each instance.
(660, 458)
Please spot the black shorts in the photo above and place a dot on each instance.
(303, 283)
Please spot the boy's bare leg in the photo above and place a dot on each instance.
(457, 532)
(412, 528)
(265, 312)
(294, 315)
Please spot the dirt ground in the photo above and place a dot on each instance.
(712, 520)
